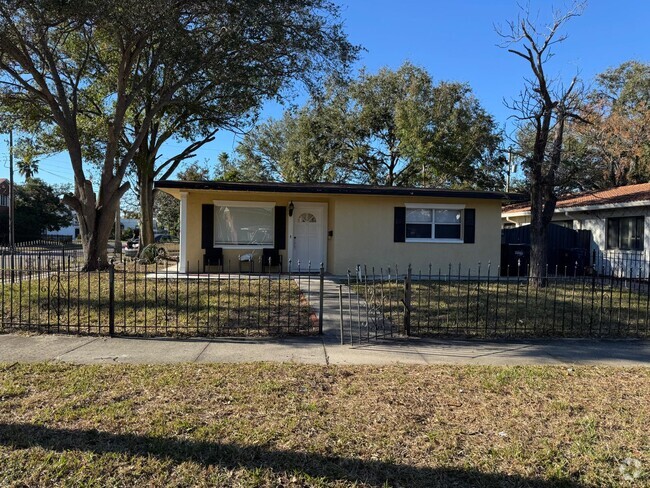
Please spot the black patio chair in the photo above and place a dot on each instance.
(270, 258)
(213, 257)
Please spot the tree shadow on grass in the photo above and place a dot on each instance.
(232, 456)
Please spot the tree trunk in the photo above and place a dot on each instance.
(146, 211)
(538, 248)
(543, 202)
(95, 221)
(538, 245)
(95, 232)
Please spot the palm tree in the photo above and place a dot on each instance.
(27, 162)
(27, 167)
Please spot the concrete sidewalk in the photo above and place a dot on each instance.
(316, 350)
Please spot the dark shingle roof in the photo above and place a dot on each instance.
(333, 188)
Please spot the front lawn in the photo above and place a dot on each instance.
(153, 301)
(299, 425)
(567, 307)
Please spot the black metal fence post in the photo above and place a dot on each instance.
(13, 263)
(111, 299)
(321, 278)
(407, 301)
(341, 316)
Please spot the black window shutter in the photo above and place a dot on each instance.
(280, 227)
(207, 226)
(470, 226)
(399, 232)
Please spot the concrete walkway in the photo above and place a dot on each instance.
(318, 350)
(331, 309)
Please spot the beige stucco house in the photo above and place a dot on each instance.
(339, 225)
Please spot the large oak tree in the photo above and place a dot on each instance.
(395, 127)
(618, 137)
(109, 81)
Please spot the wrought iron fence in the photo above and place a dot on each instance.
(134, 299)
(38, 253)
(479, 302)
(49, 293)
(620, 263)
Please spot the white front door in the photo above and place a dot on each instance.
(308, 236)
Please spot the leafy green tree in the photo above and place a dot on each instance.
(303, 146)
(390, 128)
(618, 136)
(167, 208)
(579, 168)
(38, 209)
(109, 82)
(226, 170)
(252, 65)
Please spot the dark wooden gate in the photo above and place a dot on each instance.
(568, 250)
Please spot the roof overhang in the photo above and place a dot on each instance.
(330, 189)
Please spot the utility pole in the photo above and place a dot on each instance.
(509, 169)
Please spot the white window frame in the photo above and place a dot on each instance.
(437, 206)
(243, 204)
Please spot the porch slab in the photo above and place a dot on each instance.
(230, 276)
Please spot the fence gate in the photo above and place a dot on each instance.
(373, 305)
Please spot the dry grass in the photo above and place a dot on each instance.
(298, 425)
(514, 308)
(163, 305)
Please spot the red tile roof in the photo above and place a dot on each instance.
(620, 194)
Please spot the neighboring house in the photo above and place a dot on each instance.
(618, 218)
(339, 225)
(134, 224)
(73, 230)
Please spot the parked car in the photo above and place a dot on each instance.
(168, 242)
(163, 241)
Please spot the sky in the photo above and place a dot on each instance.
(456, 40)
